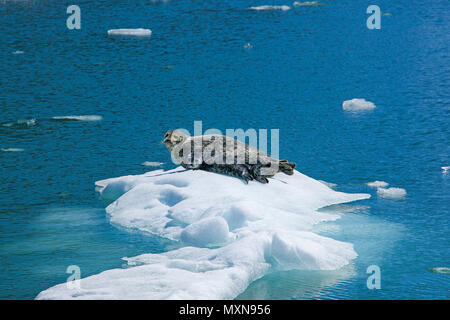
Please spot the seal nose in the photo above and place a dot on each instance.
(166, 138)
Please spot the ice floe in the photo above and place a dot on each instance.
(377, 184)
(263, 8)
(445, 169)
(21, 122)
(308, 4)
(79, 118)
(357, 105)
(442, 270)
(27, 122)
(12, 149)
(151, 164)
(231, 234)
(391, 193)
(130, 32)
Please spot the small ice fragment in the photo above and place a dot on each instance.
(27, 122)
(79, 118)
(17, 52)
(308, 4)
(357, 105)
(328, 184)
(443, 270)
(445, 169)
(262, 8)
(151, 164)
(12, 149)
(130, 32)
(391, 193)
(377, 184)
(21, 122)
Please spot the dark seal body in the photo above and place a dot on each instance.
(224, 155)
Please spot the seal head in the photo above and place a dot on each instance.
(173, 138)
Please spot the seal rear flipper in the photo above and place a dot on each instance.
(287, 167)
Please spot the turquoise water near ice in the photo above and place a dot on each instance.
(302, 65)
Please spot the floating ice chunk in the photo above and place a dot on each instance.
(262, 8)
(21, 122)
(445, 169)
(391, 193)
(357, 105)
(12, 149)
(17, 52)
(377, 184)
(27, 122)
(202, 273)
(254, 229)
(165, 200)
(443, 270)
(79, 118)
(328, 184)
(130, 32)
(151, 164)
(308, 4)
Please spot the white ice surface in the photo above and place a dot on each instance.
(307, 4)
(443, 270)
(130, 32)
(391, 193)
(151, 164)
(79, 118)
(231, 234)
(12, 149)
(377, 184)
(262, 8)
(357, 105)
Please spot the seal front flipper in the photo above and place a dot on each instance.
(240, 171)
(261, 179)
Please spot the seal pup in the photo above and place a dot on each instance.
(225, 155)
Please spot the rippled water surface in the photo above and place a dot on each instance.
(301, 65)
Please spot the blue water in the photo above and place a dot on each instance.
(304, 63)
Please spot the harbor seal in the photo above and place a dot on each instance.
(225, 155)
